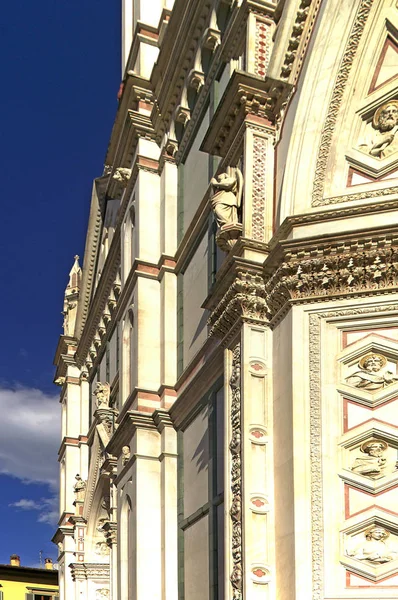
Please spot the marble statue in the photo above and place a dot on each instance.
(370, 377)
(102, 393)
(79, 488)
(125, 454)
(385, 122)
(373, 462)
(227, 195)
(375, 548)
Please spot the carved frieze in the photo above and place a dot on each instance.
(339, 268)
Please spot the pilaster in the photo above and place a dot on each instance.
(249, 542)
(168, 462)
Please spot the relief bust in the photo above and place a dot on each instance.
(371, 377)
(373, 461)
(384, 141)
(375, 548)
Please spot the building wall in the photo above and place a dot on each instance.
(221, 453)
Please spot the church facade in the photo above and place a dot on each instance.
(228, 367)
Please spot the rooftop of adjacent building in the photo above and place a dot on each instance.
(13, 571)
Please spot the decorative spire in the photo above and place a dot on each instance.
(71, 298)
(75, 276)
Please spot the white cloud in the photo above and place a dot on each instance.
(30, 435)
(46, 507)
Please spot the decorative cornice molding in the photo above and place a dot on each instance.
(246, 94)
(299, 39)
(130, 421)
(336, 266)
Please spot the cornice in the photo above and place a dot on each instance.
(135, 89)
(334, 213)
(176, 56)
(90, 254)
(130, 422)
(64, 343)
(334, 266)
(313, 269)
(100, 298)
(246, 94)
(300, 35)
(162, 419)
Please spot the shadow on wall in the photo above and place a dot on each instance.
(201, 454)
(202, 323)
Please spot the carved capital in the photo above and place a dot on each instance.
(244, 300)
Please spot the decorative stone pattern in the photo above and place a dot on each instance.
(236, 476)
(337, 96)
(262, 47)
(258, 198)
(316, 457)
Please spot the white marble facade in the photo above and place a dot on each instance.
(228, 365)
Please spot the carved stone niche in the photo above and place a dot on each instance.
(369, 373)
(375, 152)
(369, 458)
(370, 548)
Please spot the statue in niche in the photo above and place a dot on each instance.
(375, 548)
(373, 461)
(371, 377)
(79, 488)
(102, 393)
(385, 122)
(226, 198)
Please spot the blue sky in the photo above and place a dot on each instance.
(60, 74)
